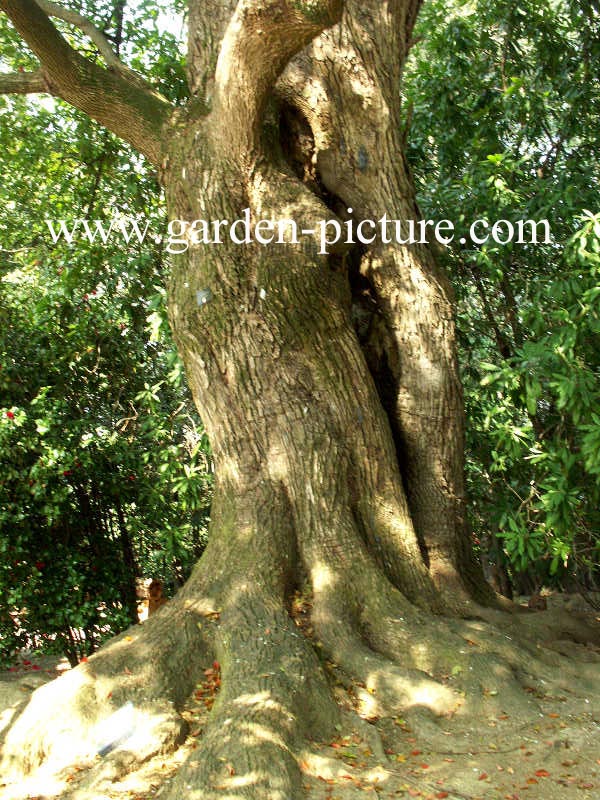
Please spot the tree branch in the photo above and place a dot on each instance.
(22, 82)
(207, 23)
(262, 37)
(86, 26)
(124, 104)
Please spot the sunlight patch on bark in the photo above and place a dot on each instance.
(322, 578)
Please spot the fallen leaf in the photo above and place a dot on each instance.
(542, 773)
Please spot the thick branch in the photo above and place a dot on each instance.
(129, 108)
(87, 27)
(207, 23)
(22, 82)
(261, 39)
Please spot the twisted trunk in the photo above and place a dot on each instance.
(337, 444)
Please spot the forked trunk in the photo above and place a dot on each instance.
(329, 378)
(328, 386)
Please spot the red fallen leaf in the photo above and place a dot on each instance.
(83, 660)
(532, 781)
(441, 795)
(542, 773)
(416, 752)
(336, 745)
(35, 666)
(483, 776)
(26, 663)
(415, 793)
(389, 752)
(554, 716)
(424, 766)
(13, 669)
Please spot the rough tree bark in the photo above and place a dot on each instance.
(329, 388)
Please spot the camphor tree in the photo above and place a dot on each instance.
(328, 385)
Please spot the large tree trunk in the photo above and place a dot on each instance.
(329, 388)
(393, 440)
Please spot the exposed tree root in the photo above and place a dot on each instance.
(275, 691)
(275, 694)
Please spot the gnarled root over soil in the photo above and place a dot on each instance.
(277, 662)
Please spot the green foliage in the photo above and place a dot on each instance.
(105, 471)
(541, 419)
(505, 101)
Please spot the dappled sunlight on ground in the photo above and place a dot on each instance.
(499, 754)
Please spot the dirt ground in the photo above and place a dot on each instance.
(554, 757)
